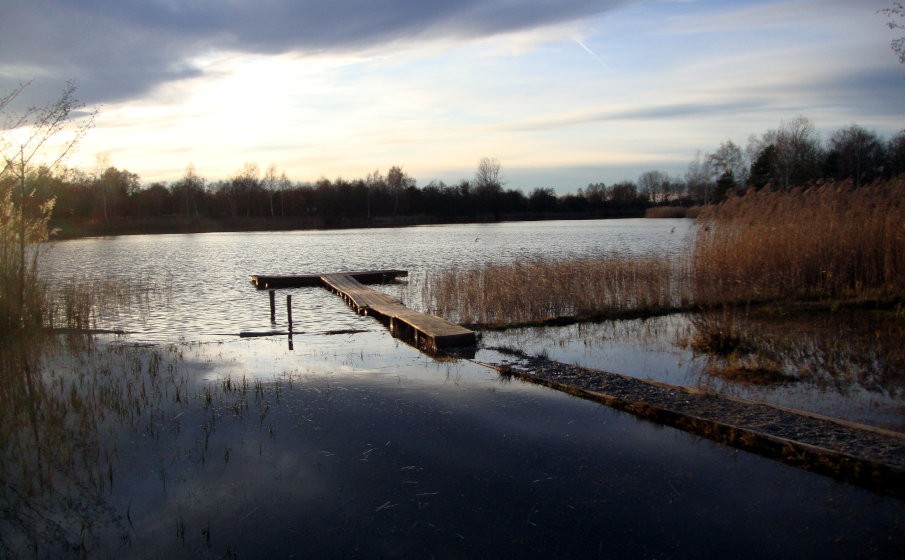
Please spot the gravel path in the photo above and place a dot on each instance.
(856, 453)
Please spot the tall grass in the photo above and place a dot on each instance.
(545, 289)
(22, 292)
(89, 303)
(825, 242)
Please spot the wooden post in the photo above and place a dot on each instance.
(273, 306)
(289, 310)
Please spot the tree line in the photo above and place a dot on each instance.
(791, 155)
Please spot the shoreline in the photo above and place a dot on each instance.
(66, 230)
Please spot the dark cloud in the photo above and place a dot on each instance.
(116, 49)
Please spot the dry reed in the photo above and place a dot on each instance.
(22, 292)
(546, 289)
(84, 303)
(826, 242)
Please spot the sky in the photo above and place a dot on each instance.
(562, 93)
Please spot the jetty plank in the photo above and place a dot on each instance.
(426, 331)
(270, 282)
(358, 296)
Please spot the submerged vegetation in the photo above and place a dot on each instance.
(842, 352)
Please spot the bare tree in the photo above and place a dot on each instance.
(857, 153)
(488, 175)
(699, 178)
(25, 141)
(284, 183)
(729, 160)
(270, 182)
(189, 188)
(797, 152)
(896, 13)
(397, 182)
(654, 184)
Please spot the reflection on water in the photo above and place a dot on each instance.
(183, 440)
(63, 406)
(357, 446)
(847, 365)
(206, 276)
(850, 362)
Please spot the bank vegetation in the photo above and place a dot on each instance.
(826, 245)
(110, 200)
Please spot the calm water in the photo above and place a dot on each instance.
(207, 275)
(203, 444)
(200, 292)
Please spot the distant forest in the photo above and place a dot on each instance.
(116, 201)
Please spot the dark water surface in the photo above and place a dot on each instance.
(183, 440)
(365, 448)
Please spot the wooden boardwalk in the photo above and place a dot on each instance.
(426, 332)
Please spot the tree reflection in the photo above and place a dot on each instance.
(61, 404)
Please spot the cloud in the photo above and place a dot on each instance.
(655, 112)
(120, 49)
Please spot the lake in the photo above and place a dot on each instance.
(181, 439)
(207, 275)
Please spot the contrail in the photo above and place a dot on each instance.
(590, 52)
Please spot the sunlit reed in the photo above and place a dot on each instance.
(547, 289)
(826, 242)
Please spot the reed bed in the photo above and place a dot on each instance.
(826, 242)
(83, 304)
(547, 289)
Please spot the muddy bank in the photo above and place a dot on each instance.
(850, 452)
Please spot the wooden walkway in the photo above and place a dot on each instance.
(426, 332)
(263, 282)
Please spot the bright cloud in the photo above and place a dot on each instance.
(562, 93)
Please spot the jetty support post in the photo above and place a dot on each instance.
(273, 307)
(289, 310)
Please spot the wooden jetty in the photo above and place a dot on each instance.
(263, 282)
(426, 332)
